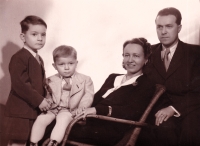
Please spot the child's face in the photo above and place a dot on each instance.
(65, 66)
(35, 37)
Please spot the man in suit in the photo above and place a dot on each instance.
(176, 65)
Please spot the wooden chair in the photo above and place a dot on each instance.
(132, 137)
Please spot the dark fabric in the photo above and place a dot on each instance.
(182, 82)
(96, 132)
(27, 92)
(128, 102)
(17, 128)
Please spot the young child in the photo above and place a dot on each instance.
(70, 91)
(27, 73)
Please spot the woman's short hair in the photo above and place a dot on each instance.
(64, 51)
(142, 42)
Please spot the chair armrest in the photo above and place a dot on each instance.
(160, 89)
(75, 120)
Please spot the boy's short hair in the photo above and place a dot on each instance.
(31, 20)
(171, 11)
(64, 51)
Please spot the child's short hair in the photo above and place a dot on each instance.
(64, 51)
(31, 20)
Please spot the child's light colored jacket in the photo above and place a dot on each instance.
(81, 94)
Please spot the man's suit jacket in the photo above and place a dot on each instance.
(182, 80)
(127, 102)
(27, 85)
(81, 94)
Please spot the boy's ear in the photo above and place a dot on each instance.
(22, 37)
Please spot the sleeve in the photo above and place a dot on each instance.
(132, 109)
(87, 98)
(191, 99)
(98, 95)
(21, 82)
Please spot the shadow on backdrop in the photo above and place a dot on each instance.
(7, 51)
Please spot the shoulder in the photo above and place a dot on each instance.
(81, 76)
(22, 54)
(155, 47)
(114, 75)
(53, 78)
(145, 82)
(191, 50)
(20, 57)
(191, 47)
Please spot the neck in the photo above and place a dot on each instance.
(170, 45)
(30, 48)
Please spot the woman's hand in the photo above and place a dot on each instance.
(163, 115)
(86, 112)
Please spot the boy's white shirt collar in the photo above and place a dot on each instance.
(31, 51)
(117, 83)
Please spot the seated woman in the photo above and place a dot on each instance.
(124, 96)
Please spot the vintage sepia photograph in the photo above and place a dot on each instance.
(99, 73)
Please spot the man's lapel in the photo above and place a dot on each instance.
(176, 59)
(157, 61)
(174, 64)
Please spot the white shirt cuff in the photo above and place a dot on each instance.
(177, 113)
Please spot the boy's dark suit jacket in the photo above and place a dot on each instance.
(27, 89)
(182, 80)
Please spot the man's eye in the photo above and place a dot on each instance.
(34, 34)
(169, 26)
(44, 34)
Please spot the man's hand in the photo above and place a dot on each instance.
(163, 115)
(44, 106)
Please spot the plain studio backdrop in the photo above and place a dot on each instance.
(97, 29)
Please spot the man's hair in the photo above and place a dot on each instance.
(171, 11)
(64, 51)
(31, 20)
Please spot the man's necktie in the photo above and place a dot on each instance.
(37, 57)
(166, 58)
(67, 86)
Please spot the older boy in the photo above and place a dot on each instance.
(27, 82)
(71, 92)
